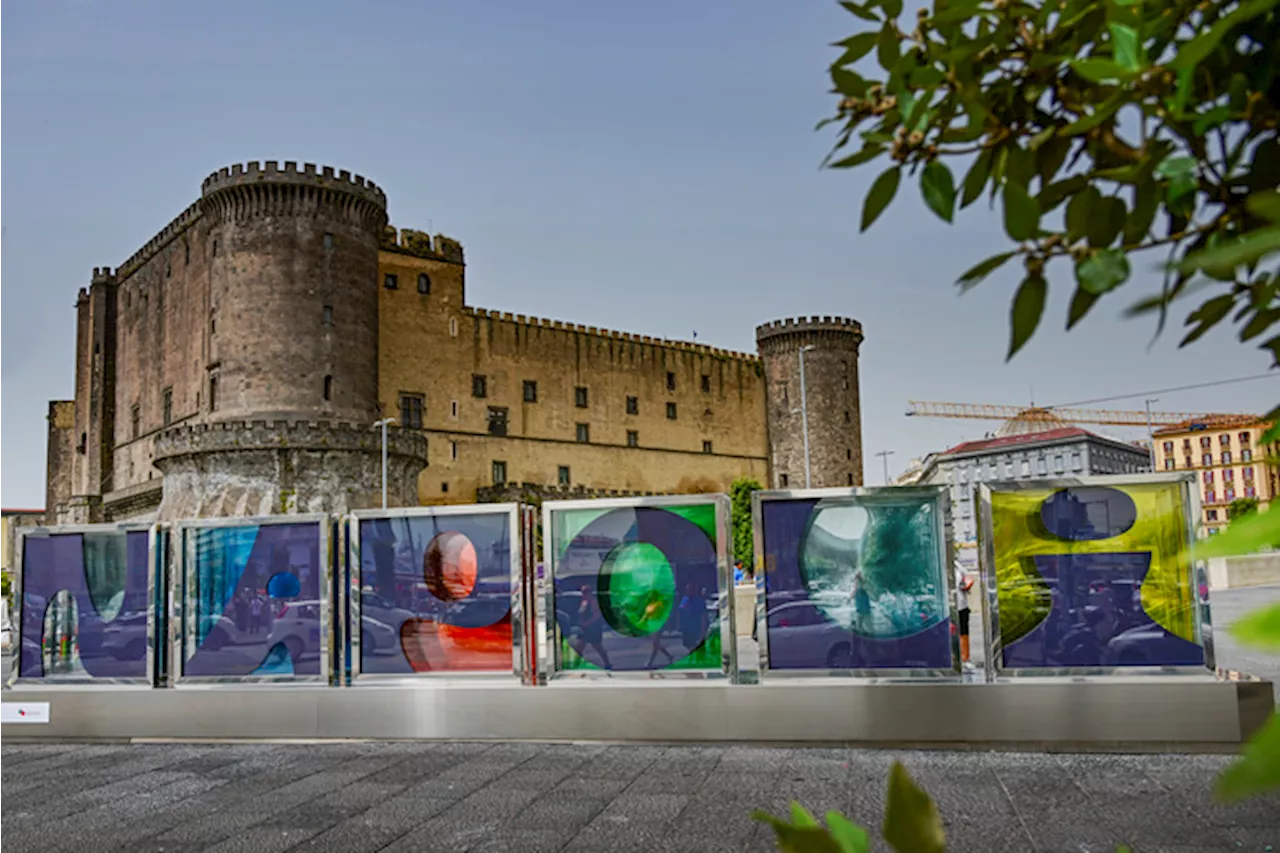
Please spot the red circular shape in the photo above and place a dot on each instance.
(449, 566)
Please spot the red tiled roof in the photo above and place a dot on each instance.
(1011, 440)
(1219, 422)
(20, 511)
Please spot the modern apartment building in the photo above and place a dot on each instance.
(1229, 460)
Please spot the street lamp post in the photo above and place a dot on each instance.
(1151, 439)
(884, 456)
(804, 416)
(383, 424)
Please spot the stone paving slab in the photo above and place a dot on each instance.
(469, 797)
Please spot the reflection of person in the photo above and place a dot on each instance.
(1083, 642)
(693, 617)
(963, 584)
(861, 603)
(255, 615)
(651, 611)
(590, 628)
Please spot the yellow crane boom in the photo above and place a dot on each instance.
(1052, 415)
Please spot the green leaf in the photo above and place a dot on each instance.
(1080, 305)
(1260, 629)
(1019, 166)
(1100, 70)
(976, 178)
(800, 815)
(887, 47)
(1193, 52)
(911, 820)
(798, 839)
(1252, 248)
(880, 194)
(1021, 213)
(848, 83)
(1146, 203)
(1078, 212)
(1059, 191)
(868, 152)
(1028, 306)
(939, 189)
(861, 11)
(851, 837)
(1246, 536)
(1258, 769)
(925, 77)
(1211, 119)
(1103, 271)
(892, 8)
(979, 271)
(1050, 156)
(1106, 221)
(1265, 205)
(1127, 47)
(856, 47)
(1104, 111)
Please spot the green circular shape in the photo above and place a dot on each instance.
(638, 589)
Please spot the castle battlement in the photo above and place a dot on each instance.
(224, 436)
(797, 329)
(167, 235)
(271, 172)
(421, 244)
(610, 334)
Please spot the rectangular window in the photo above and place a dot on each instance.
(530, 391)
(1225, 439)
(453, 409)
(1244, 439)
(583, 432)
(424, 283)
(213, 393)
(1041, 466)
(782, 480)
(633, 405)
(1187, 461)
(1206, 441)
(1207, 459)
(328, 387)
(1226, 457)
(671, 381)
(1057, 464)
(1246, 455)
(497, 420)
(671, 411)
(1228, 475)
(706, 383)
(479, 386)
(1168, 447)
(1026, 467)
(328, 240)
(633, 438)
(563, 475)
(1168, 464)
(1186, 444)
(1208, 476)
(453, 449)
(1250, 492)
(580, 397)
(706, 447)
(1210, 496)
(1212, 515)
(444, 488)
(1229, 494)
(411, 411)
(390, 281)
(847, 417)
(1247, 472)
(134, 418)
(850, 476)
(499, 472)
(848, 454)
(166, 416)
(326, 315)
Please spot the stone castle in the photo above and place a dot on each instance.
(237, 364)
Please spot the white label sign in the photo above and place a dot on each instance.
(24, 712)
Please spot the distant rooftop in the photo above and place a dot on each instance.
(1196, 424)
(1060, 434)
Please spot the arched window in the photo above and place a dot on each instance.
(424, 283)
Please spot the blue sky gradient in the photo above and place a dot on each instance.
(645, 167)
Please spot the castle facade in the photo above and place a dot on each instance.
(237, 364)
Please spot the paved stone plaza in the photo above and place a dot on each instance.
(355, 797)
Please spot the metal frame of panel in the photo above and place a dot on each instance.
(182, 615)
(513, 511)
(549, 662)
(990, 598)
(946, 553)
(155, 539)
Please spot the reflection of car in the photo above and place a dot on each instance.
(298, 627)
(125, 638)
(222, 631)
(376, 637)
(382, 610)
(1131, 647)
(816, 641)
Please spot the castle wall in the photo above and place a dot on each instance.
(163, 328)
(433, 345)
(60, 456)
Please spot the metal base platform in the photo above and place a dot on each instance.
(1178, 714)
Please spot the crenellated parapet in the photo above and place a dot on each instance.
(255, 189)
(609, 334)
(420, 244)
(175, 229)
(795, 332)
(259, 435)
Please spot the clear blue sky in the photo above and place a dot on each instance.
(649, 167)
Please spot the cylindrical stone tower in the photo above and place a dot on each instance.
(292, 375)
(828, 349)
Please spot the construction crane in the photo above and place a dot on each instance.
(1036, 418)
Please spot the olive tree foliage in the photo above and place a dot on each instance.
(1105, 132)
